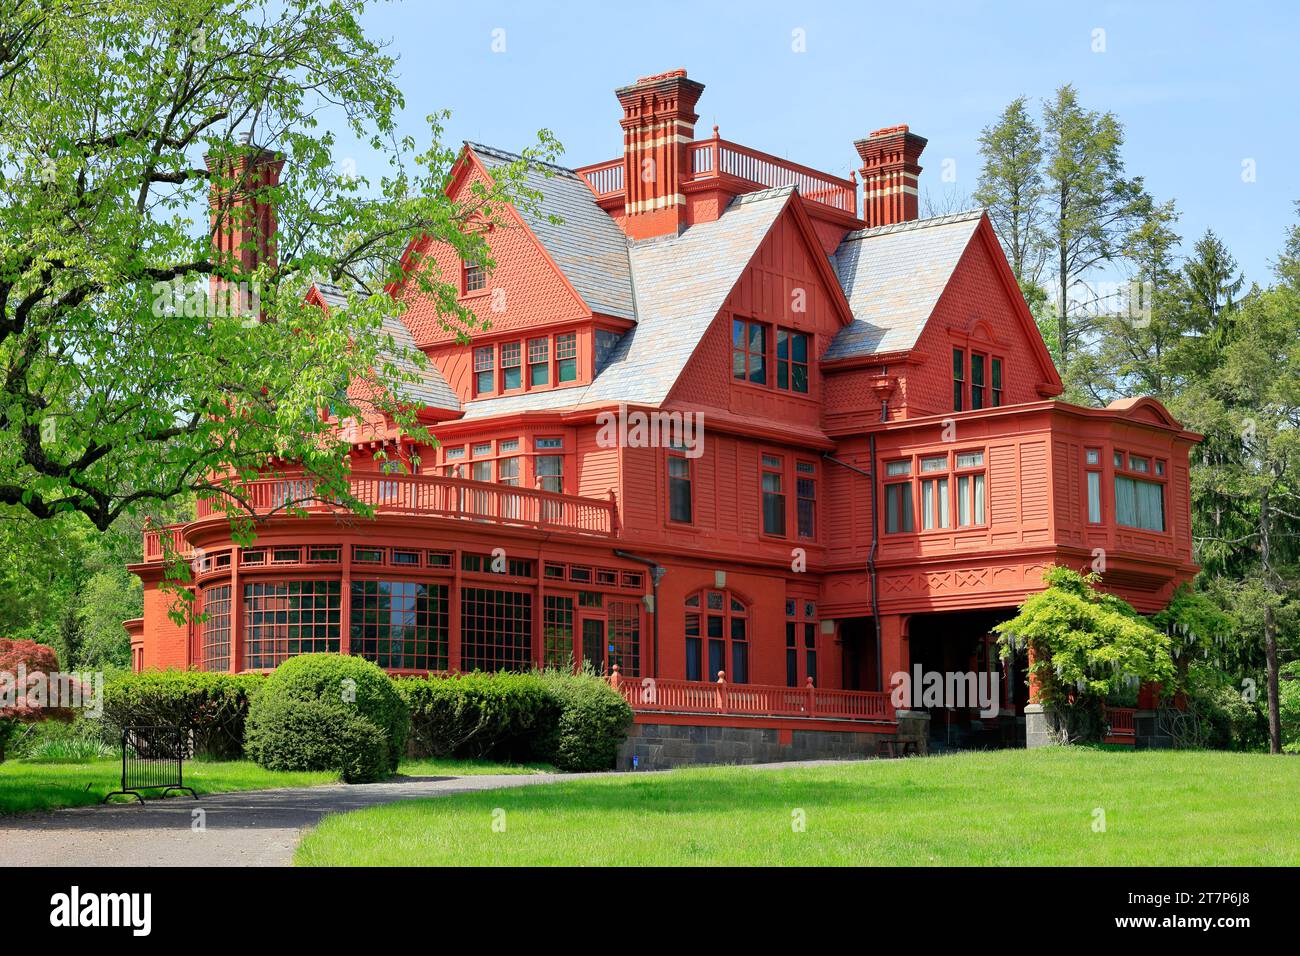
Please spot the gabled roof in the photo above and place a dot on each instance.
(893, 277)
(588, 246)
(430, 388)
(680, 283)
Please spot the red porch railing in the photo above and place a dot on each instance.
(442, 497)
(715, 158)
(154, 542)
(751, 700)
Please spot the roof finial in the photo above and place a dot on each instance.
(715, 130)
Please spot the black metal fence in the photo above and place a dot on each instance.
(152, 759)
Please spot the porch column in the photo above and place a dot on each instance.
(1040, 722)
(895, 653)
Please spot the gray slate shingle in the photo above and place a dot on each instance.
(893, 277)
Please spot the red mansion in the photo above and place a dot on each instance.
(863, 464)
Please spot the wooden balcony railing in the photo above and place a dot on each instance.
(751, 700)
(715, 158)
(155, 539)
(430, 495)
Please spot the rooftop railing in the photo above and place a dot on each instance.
(717, 158)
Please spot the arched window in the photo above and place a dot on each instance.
(716, 620)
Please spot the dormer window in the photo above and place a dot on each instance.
(983, 387)
(792, 361)
(749, 351)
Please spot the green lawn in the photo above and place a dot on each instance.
(41, 785)
(1009, 807)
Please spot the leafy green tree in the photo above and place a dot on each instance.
(1011, 188)
(1084, 645)
(1091, 207)
(123, 382)
(1247, 483)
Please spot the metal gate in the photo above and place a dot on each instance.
(151, 760)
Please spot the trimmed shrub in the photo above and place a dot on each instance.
(477, 715)
(213, 707)
(289, 734)
(591, 722)
(347, 684)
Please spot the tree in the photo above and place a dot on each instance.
(24, 690)
(1011, 188)
(1213, 283)
(1091, 206)
(1084, 644)
(1247, 485)
(123, 380)
(1134, 352)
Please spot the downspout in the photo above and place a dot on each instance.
(657, 571)
(875, 543)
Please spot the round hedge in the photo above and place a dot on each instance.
(314, 735)
(347, 684)
(591, 722)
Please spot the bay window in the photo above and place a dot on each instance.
(1139, 501)
(934, 493)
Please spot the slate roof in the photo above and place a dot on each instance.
(893, 277)
(680, 283)
(589, 247)
(430, 388)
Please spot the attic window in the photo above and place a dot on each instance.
(475, 279)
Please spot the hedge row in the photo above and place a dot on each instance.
(327, 711)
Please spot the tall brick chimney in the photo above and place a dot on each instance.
(889, 175)
(658, 123)
(242, 216)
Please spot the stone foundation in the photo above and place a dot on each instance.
(662, 746)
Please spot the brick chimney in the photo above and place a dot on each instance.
(889, 175)
(242, 217)
(658, 124)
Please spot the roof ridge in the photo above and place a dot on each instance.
(946, 220)
(512, 157)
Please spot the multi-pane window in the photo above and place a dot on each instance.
(716, 620)
(898, 497)
(1139, 501)
(400, 624)
(511, 370)
(970, 488)
(1092, 457)
(215, 641)
(977, 383)
(550, 472)
(496, 629)
(680, 497)
(557, 630)
(792, 361)
(800, 642)
(934, 492)
(508, 471)
(286, 618)
(805, 487)
(539, 362)
(484, 363)
(625, 637)
(958, 379)
(749, 351)
(566, 357)
(773, 488)
(475, 278)
(996, 369)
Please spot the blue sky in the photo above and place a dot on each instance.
(1200, 90)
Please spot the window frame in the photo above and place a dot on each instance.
(1156, 474)
(728, 614)
(778, 470)
(745, 350)
(468, 269)
(672, 455)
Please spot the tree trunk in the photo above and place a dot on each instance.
(1270, 655)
